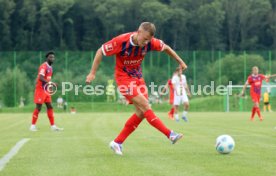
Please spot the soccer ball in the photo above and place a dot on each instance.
(225, 144)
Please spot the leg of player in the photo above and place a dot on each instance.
(185, 112)
(256, 104)
(141, 103)
(171, 113)
(264, 107)
(35, 117)
(176, 117)
(253, 113)
(51, 118)
(269, 107)
(131, 124)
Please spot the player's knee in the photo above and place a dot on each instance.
(144, 106)
(140, 114)
(186, 105)
(49, 106)
(38, 107)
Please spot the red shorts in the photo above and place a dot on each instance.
(131, 87)
(255, 97)
(41, 96)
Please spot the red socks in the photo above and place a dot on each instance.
(172, 111)
(35, 116)
(156, 122)
(131, 124)
(254, 110)
(50, 114)
(259, 113)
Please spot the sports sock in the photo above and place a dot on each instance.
(130, 125)
(35, 116)
(156, 122)
(259, 113)
(185, 113)
(50, 114)
(172, 111)
(253, 112)
(176, 117)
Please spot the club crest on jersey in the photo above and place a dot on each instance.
(109, 47)
(126, 53)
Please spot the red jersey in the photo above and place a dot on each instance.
(256, 83)
(128, 55)
(46, 71)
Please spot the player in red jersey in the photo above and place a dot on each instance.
(169, 86)
(255, 81)
(130, 49)
(43, 92)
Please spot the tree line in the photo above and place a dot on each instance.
(183, 24)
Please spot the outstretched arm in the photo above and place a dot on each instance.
(174, 55)
(97, 60)
(164, 89)
(271, 76)
(243, 89)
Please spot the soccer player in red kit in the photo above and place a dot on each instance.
(255, 81)
(169, 86)
(130, 49)
(43, 92)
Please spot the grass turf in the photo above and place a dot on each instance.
(82, 148)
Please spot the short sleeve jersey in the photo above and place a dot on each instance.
(46, 71)
(255, 82)
(128, 55)
(179, 84)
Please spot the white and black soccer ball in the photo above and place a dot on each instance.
(225, 144)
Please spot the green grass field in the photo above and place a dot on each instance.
(82, 148)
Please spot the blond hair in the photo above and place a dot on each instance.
(149, 27)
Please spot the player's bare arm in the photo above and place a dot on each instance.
(41, 78)
(97, 60)
(174, 55)
(243, 89)
(165, 89)
(271, 76)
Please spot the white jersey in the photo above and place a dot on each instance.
(179, 84)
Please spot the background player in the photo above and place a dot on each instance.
(169, 86)
(42, 92)
(266, 102)
(255, 81)
(181, 90)
(130, 49)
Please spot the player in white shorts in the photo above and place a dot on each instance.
(181, 90)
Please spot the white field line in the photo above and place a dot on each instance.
(5, 159)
